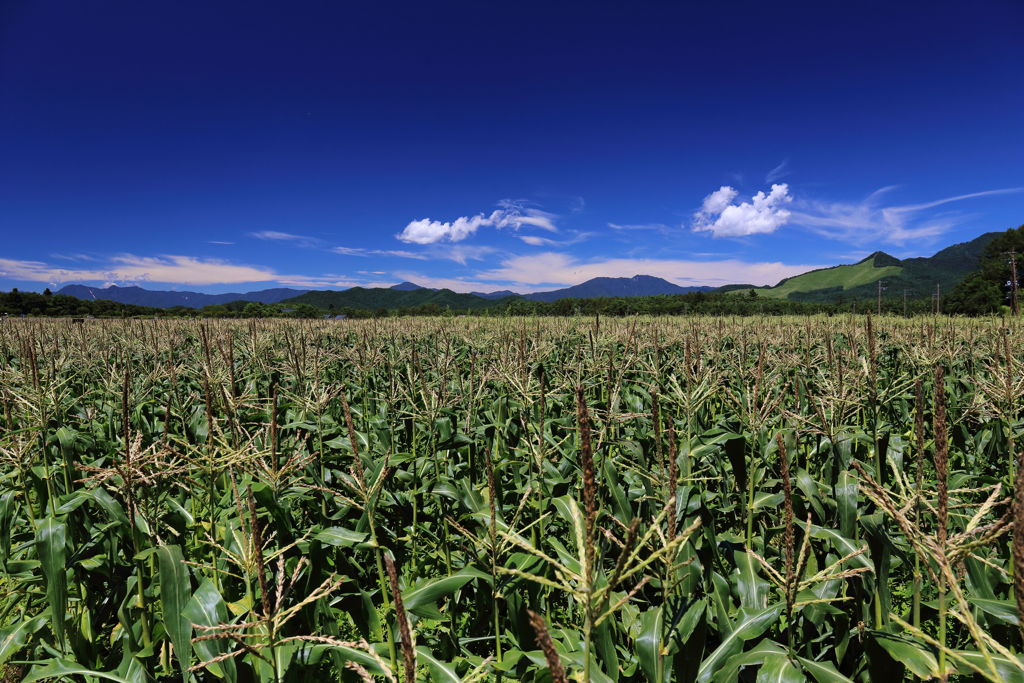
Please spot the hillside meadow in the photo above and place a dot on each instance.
(522, 499)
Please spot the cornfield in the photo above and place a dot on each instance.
(652, 499)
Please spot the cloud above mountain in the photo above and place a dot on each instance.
(511, 214)
(763, 214)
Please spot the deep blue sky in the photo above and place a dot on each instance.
(225, 146)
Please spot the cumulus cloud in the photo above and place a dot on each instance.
(558, 269)
(870, 221)
(512, 214)
(763, 214)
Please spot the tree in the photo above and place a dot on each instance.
(991, 286)
(47, 292)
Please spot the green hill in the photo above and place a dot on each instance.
(376, 299)
(917, 276)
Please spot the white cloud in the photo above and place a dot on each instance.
(763, 214)
(461, 253)
(275, 235)
(536, 241)
(868, 221)
(512, 214)
(427, 231)
(552, 268)
(129, 268)
(718, 200)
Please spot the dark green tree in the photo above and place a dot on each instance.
(991, 286)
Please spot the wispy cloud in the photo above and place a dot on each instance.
(870, 221)
(130, 268)
(220, 242)
(359, 251)
(275, 236)
(763, 214)
(535, 241)
(661, 227)
(552, 268)
(780, 171)
(512, 213)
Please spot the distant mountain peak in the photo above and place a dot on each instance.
(880, 259)
(406, 286)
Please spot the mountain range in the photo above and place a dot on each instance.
(137, 296)
(915, 277)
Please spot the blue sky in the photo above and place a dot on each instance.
(488, 145)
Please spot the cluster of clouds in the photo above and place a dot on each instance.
(511, 214)
(722, 213)
(763, 214)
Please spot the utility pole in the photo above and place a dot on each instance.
(904, 303)
(880, 288)
(1014, 306)
(938, 299)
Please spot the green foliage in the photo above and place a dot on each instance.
(679, 499)
(990, 286)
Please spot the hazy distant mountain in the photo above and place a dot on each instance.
(638, 285)
(137, 296)
(917, 276)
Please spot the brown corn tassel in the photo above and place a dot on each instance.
(408, 653)
(589, 476)
(1018, 540)
(548, 647)
(257, 542)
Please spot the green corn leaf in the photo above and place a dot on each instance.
(749, 625)
(175, 590)
(58, 668)
(51, 541)
(440, 672)
(823, 672)
(779, 668)
(422, 599)
(13, 638)
(919, 660)
(206, 607)
(649, 644)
